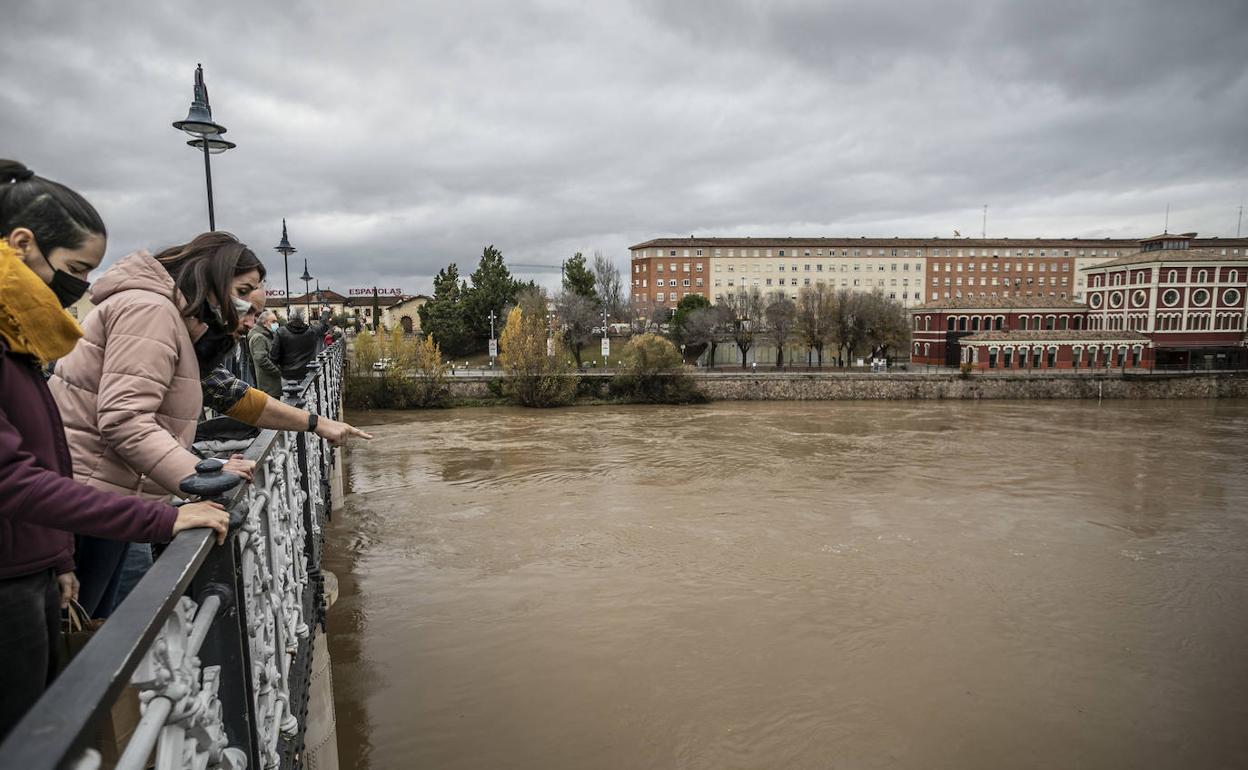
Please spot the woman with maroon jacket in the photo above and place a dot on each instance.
(50, 239)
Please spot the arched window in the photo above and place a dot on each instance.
(1117, 279)
(962, 323)
(1063, 322)
(1075, 354)
(927, 349)
(1048, 323)
(1052, 359)
(1022, 323)
(952, 323)
(1233, 276)
(1000, 322)
(1007, 359)
(1202, 276)
(1077, 322)
(975, 324)
(1172, 276)
(927, 322)
(916, 348)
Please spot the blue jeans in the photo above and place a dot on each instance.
(107, 571)
(98, 564)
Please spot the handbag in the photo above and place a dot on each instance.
(113, 732)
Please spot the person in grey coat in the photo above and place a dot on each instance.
(260, 344)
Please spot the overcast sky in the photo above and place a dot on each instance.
(396, 137)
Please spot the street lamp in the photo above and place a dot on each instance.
(285, 249)
(206, 133)
(307, 296)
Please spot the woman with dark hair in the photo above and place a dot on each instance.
(130, 391)
(50, 239)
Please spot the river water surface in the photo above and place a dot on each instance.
(810, 585)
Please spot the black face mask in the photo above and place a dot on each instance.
(66, 287)
(214, 344)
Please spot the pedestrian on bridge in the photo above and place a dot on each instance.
(50, 240)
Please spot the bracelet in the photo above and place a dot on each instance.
(312, 419)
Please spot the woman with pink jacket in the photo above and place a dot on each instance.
(51, 238)
(130, 392)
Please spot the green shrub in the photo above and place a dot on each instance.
(654, 374)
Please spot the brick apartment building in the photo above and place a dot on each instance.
(910, 270)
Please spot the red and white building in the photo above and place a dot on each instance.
(1045, 349)
(1167, 305)
(938, 327)
(1192, 303)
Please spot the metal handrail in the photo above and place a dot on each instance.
(217, 639)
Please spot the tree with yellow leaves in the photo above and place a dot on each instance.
(534, 378)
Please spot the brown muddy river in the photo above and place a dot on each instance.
(812, 585)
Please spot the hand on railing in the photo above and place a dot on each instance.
(205, 513)
(244, 468)
(211, 478)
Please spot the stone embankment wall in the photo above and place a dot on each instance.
(945, 385)
(950, 385)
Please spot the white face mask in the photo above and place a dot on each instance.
(241, 306)
(273, 326)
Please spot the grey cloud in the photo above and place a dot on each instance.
(398, 137)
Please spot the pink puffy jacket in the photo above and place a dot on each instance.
(129, 393)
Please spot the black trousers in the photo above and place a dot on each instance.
(30, 623)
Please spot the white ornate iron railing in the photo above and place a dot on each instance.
(216, 639)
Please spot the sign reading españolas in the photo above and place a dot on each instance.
(368, 292)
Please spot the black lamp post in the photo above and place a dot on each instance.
(207, 134)
(285, 249)
(307, 296)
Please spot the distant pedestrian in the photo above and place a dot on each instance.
(295, 346)
(259, 345)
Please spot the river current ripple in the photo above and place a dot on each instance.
(810, 585)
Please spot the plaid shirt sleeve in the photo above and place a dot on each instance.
(222, 390)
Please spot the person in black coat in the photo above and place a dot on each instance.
(295, 345)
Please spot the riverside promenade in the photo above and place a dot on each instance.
(223, 646)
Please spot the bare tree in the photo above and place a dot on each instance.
(781, 317)
(888, 325)
(705, 326)
(848, 323)
(609, 286)
(815, 322)
(745, 319)
(578, 315)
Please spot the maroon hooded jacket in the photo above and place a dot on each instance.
(41, 506)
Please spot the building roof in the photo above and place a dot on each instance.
(849, 242)
(1000, 303)
(1056, 335)
(1170, 255)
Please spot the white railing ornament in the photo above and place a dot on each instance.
(181, 711)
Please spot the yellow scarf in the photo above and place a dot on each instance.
(32, 320)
